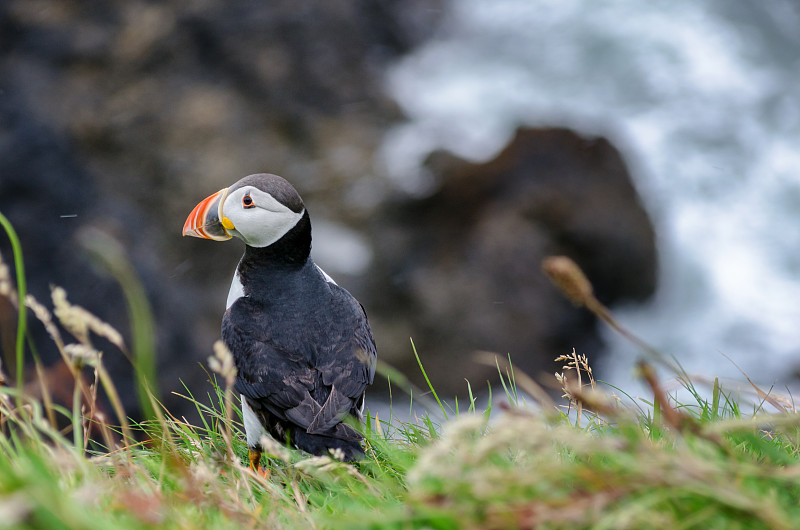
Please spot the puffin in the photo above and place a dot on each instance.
(302, 345)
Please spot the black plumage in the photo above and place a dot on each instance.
(302, 345)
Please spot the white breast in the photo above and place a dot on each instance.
(252, 426)
(327, 278)
(236, 291)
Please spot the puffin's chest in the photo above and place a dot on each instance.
(307, 321)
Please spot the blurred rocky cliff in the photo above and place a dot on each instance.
(122, 115)
(460, 270)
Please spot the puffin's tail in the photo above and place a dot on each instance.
(321, 445)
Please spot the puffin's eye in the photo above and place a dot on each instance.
(247, 201)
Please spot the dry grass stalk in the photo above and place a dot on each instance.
(79, 322)
(575, 364)
(7, 289)
(678, 420)
(781, 404)
(222, 363)
(570, 279)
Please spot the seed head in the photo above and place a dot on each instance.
(569, 278)
(222, 362)
(80, 322)
(6, 286)
(81, 354)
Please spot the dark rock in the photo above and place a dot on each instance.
(460, 270)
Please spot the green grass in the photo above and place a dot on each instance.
(709, 460)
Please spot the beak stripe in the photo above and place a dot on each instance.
(204, 220)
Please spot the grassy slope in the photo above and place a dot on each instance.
(614, 463)
(523, 469)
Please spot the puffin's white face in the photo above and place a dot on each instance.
(248, 212)
(256, 217)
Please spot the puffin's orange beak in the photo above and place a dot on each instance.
(207, 221)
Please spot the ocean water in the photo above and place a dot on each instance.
(703, 99)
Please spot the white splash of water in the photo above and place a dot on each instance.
(701, 97)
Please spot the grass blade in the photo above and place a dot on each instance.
(19, 269)
(427, 380)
